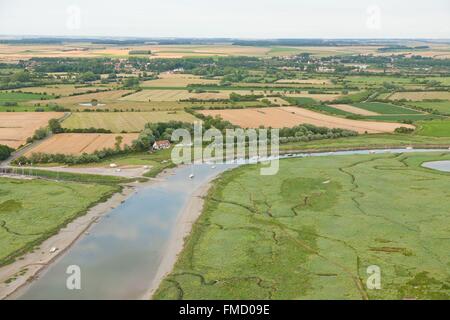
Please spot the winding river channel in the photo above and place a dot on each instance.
(120, 256)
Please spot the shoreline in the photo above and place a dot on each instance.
(191, 212)
(26, 268)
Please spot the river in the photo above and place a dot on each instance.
(122, 252)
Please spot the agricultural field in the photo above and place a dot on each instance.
(103, 98)
(177, 80)
(280, 117)
(421, 95)
(318, 97)
(305, 81)
(79, 143)
(8, 96)
(435, 128)
(16, 127)
(26, 220)
(123, 121)
(174, 95)
(385, 108)
(442, 106)
(312, 231)
(354, 110)
(63, 89)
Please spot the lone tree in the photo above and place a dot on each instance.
(118, 143)
(55, 126)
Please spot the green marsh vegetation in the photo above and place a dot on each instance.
(311, 231)
(33, 210)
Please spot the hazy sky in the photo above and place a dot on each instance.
(228, 18)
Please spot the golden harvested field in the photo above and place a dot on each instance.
(174, 95)
(62, 89)
(123, 121)
(417, 96)
(355, 110)
(17, 52)
(16, 127)
(79, 143)
(280, 117)
(102, 97)
(319, 97)
(177, 80)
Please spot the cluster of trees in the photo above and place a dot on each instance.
(158, 131)
(39, 134)
(96, 66)
(308, 132)
(5, 152)
(16, 80)
(97, 156)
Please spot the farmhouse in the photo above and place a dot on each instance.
(161, 144)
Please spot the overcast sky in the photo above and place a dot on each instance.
(228, 18)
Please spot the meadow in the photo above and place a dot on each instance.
(369, 141)
(123, 121)
(442, 106)
(8, 96)
(26, 220)
(420, 95)
(312, 230)
(435, 128)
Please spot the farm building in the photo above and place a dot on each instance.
(161, 144)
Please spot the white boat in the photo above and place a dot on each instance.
(191, 176)
(53, 250)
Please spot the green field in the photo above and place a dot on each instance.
(436, 128)
(440, 106)
(20, 97)
(26, 220)
(404, 117)
(123, 121)
(312, 230)
(331, 110)
(368, 141)
(384, 108)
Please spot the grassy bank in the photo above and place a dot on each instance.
(311, 231)
(31, 211)
(368, 142)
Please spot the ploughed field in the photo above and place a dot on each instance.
(16, 127)
(280, 117)
(79, 143)
(312, 230)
